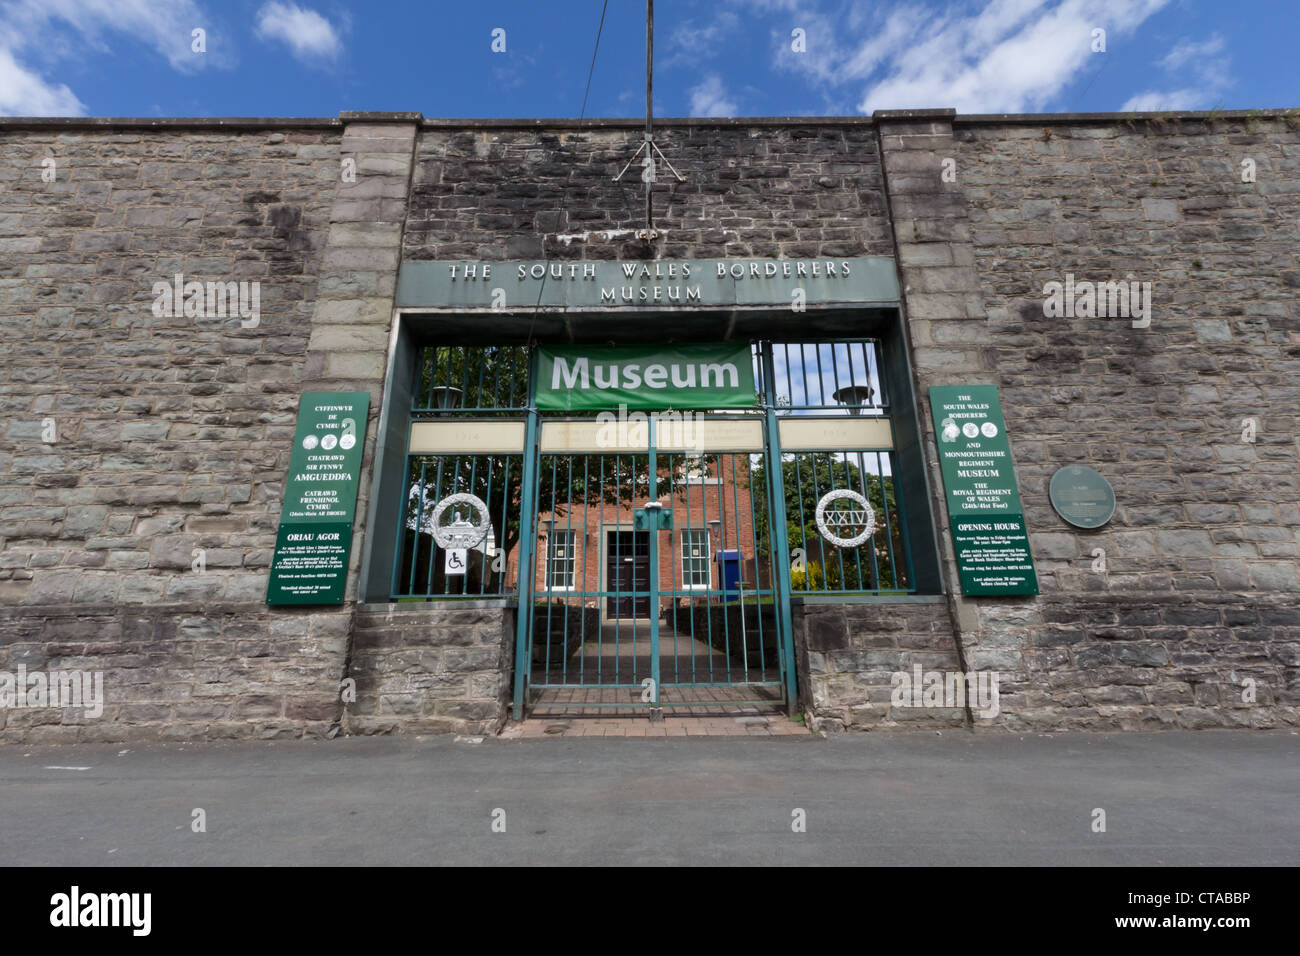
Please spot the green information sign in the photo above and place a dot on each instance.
(664, 376)
(320, 495)
(987, 521)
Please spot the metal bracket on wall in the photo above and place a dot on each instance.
(654, 516)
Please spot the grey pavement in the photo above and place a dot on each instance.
(1208, 798)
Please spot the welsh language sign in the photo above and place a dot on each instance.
(310, 565)
(650, 285)
(666, 376)
(987, 522)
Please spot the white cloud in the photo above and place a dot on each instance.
(710, 98)
(23, 93)
(1201, 63)
(37, 35)
(165, 25)
(1015, 56)
(1185, 50)
(309, 36)
(991, 57)
(1153, 101)
(690, 42)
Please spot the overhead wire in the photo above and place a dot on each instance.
(581, 116)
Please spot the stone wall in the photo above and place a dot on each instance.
(429, 667)
(750, 190)
(848, 654)
(1123, 661)
(1198, 605)
(179, 670)
(172, 433)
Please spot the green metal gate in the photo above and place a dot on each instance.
(654, 557)
(656, 582)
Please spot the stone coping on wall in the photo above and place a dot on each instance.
(346, 116)
(811, 600)
(448, 604)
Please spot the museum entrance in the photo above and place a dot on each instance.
(656, 579)
(653, 554)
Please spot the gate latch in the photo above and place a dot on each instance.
(654, 516)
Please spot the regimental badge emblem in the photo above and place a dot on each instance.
(469, 522)
(845, 518)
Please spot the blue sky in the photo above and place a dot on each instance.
(712, 57)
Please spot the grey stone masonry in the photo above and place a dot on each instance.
(187, 671)
(348, 348)
(786, 190)
(849, 656)
(349, 336)
(1184, 610)
(437, 667)
(165, 430)
(941, 296)
(144, 449)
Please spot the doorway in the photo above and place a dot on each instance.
(627, 574)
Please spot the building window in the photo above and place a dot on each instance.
(699, 470)
(560, 562)
(695, 559)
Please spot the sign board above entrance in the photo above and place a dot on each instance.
(582, 284)
(608, 377)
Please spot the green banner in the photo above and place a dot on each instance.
(587, 377)
(310, 565)
(985, 516)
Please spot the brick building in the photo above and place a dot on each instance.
(147, 447)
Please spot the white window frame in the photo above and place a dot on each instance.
(683, 557)
(571, 558)
(694, 474)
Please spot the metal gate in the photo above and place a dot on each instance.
(655, 579)
(654, 557)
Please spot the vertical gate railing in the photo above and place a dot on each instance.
(655, 578)
(589, 632)
(418, 572)
(723, 612)
(621, 608)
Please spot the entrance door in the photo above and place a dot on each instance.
(627, 570)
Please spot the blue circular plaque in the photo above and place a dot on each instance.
(1082, 496)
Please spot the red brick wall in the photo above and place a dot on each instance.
(727, 500)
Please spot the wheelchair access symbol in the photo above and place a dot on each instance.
(454, 561)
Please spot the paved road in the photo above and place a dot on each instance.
(1173, 798)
